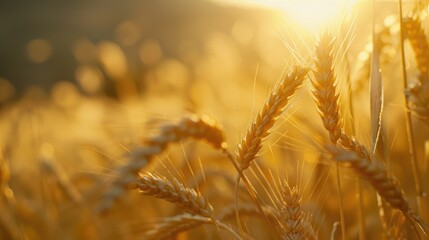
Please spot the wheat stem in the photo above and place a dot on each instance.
(408, 122)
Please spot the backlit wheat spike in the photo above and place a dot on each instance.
(419, 42)
(324, 87)
(61, 178)
(418, 98)
(171, 226)
(377, 175)
(273, 107)
(327, 99)
(292, 215)
(382, 181)
(203, 128)
(188, 199)
(418, 93)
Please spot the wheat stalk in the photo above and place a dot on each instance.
(202, 128)
(408, 121)
(273, 107)
(415, 34)
(324, 87)
(292, 214)
(61, 178)
(187, 198)
(326, 98)
(418, 93)
(385, 184)
(251, 144)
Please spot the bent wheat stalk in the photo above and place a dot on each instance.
(385, 184)
(203, 128)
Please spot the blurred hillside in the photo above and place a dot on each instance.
(45, 42)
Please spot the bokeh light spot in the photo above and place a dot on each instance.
(38, 50)
(150, 52)
(65, 94)
(89, 78)
(128, 33)
(84, 51)
(113, 59)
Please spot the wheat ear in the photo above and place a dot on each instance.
(252, 142)
(273, 107)
(385, 184)
(324, 87)
(326, 98)
(202, 128)
(418, 93)
(61, 178)
(188, 199)
(292, 214)
(415, 34)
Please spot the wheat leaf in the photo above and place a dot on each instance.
(376, 98)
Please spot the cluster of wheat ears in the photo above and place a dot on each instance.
(280, 210)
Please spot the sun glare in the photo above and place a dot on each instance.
(315, 13)
(310, 14)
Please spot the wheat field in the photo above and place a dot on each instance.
(216, 120)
